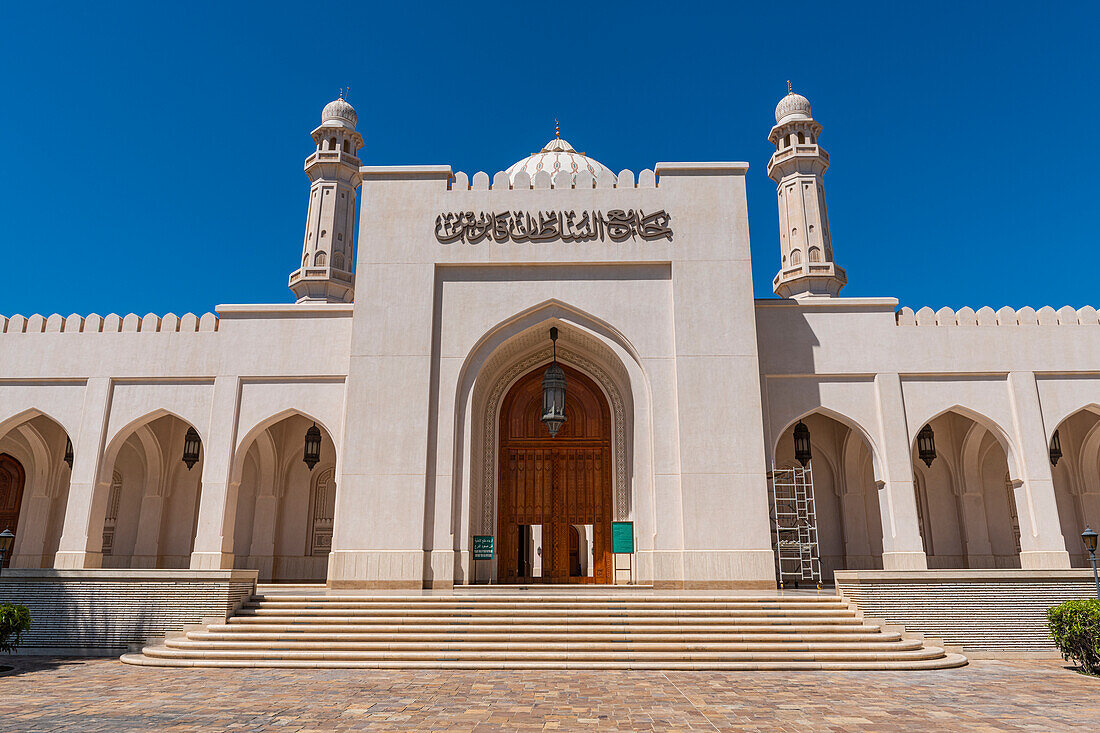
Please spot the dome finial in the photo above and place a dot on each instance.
(557, 129)
(789, 90)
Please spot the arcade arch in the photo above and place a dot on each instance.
(147, 497)
(284, 509)
(1077, 479)
(849, 525)
(965, 498)
(34, 487)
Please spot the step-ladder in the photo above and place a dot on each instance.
(794, 526)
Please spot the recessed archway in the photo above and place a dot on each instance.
(965, 498)
(849, 525)
(1077, 479)
(284, 507)
(34, 487)
(553, 488)
(148, 495)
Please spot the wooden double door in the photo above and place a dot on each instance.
(554, 498)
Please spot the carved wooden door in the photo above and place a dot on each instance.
(557, 484)
(12, 480)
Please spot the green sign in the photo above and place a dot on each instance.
(622, 538)
(483, 547)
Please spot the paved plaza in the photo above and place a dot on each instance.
(104, 695)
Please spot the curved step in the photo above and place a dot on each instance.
(946, 661)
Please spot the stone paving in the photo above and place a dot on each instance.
(105, 695)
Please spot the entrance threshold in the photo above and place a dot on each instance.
(544, 588)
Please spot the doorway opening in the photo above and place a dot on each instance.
(554, 498)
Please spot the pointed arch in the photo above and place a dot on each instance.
(844, 420)
(986, 422)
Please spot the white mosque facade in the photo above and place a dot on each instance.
(392, 428)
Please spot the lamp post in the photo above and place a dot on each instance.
(6, 538)
(1089, 538)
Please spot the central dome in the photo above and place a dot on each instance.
(556, 155)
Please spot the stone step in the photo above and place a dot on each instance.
(564, 600)
(611, 646)
(678, 655)
(293, 626)
(536, 637)
(947, 661)
(350, 609)
(497, 632)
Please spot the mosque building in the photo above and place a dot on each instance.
(553, 374)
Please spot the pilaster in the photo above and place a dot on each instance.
(902, 547)
(1041, 543)
(81, 544)
(213, 549)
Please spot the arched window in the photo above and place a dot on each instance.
(796, 257)
(323, 501)
(801, 138)
(111, 519)
(305, 259)
(347, 149)
(815, 254)
(338, 261)
(319, 260)
(332, 143)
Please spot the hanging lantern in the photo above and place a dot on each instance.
(191, 445)
(312, 455)
(802, 443)
(69, 453)
(1055, 449)
(553, 392)
(926, 445)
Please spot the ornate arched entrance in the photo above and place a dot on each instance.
(12, 481)
(553, 488)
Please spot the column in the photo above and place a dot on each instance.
(979, 552)
(31, 539)
(218, 499)
(262, 549)
(1041, 542)
(902, 548)
(82, 543)
(147, 546)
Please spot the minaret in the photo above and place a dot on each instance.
(333, 169)
(797, 167)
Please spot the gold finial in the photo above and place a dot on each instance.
(789, 91)
(341, 92)
(557, 129)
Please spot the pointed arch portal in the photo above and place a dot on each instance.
(552, 487)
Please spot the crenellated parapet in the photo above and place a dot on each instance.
(986, 316)
(543, 180)
(111, 323)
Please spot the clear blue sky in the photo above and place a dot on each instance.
(153, 152)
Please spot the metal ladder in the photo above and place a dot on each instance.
(794, 526)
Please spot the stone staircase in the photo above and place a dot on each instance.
(548, 630)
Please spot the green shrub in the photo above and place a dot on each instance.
(14, 621)
(1075, 626)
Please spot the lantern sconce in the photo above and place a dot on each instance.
(68, 453)
(553, 392)
(312, 454)
(191, 445)
(926, 445)
(802, 443)
(1055, 449)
